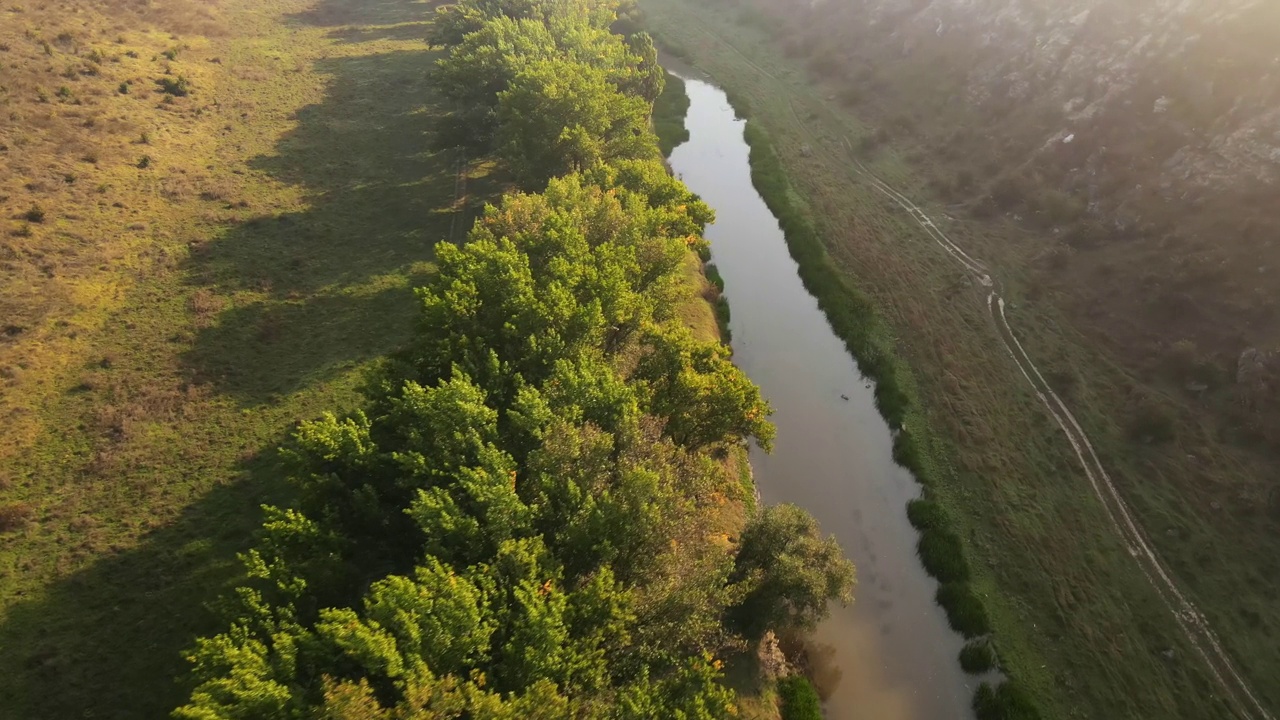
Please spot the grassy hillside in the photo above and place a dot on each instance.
(185, 277)
(167, 324)
(1074, 617)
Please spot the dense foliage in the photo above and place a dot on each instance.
(517, 524)
(798, 699)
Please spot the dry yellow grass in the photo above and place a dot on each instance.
(163, 323)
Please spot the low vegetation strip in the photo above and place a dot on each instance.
(516, 524)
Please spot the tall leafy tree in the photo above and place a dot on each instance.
(557, 117)
(789, 571)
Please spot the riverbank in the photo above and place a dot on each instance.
(1069, 608)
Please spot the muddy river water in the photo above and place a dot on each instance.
(890, 655)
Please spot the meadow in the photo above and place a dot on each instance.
(208, 270)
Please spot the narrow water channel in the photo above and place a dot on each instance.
(891, 654)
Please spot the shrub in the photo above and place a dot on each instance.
(941, 555)
(64, 92)
(965, 611)
(713, 275)
(925, 514)
(906, 452)
(1006, 702)
(849, 96)
(179, 87)
(977, 657)
(124, 88)
(36, 214)
(15, 515)
(722, 318)
(1008, 192)
(1150, 423)
(799, 699)
(144, 162)
(171, 54)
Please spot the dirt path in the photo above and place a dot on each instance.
(1189, 618)
(1193, 623)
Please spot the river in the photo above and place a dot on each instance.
(890, 655)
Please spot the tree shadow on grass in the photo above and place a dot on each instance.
(308, 294)
(335, 13)
(403, 32)
(148, 602)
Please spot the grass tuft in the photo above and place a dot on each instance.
(942, 555)
(965, 611)
(1006, 702)
(925, 514)
(977, 657)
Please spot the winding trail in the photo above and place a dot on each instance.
(1193, 623)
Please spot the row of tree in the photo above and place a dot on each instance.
(516, 524)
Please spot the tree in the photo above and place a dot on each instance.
(790, 573)
(705, 399)
(649, 78)
(558, 117)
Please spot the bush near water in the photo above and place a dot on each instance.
(515, 524)
(799, 699)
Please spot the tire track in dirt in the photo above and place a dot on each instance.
(1191, 621)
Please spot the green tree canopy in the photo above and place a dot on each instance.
(515, 523)
(790, 572)
(557, 117)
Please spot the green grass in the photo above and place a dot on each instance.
(248, 297)
(799, 699)
(1067, 606)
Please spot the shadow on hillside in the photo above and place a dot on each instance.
(335, 13)
(332, 283)
(333, 288)
(150, 602)
(404, 32)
